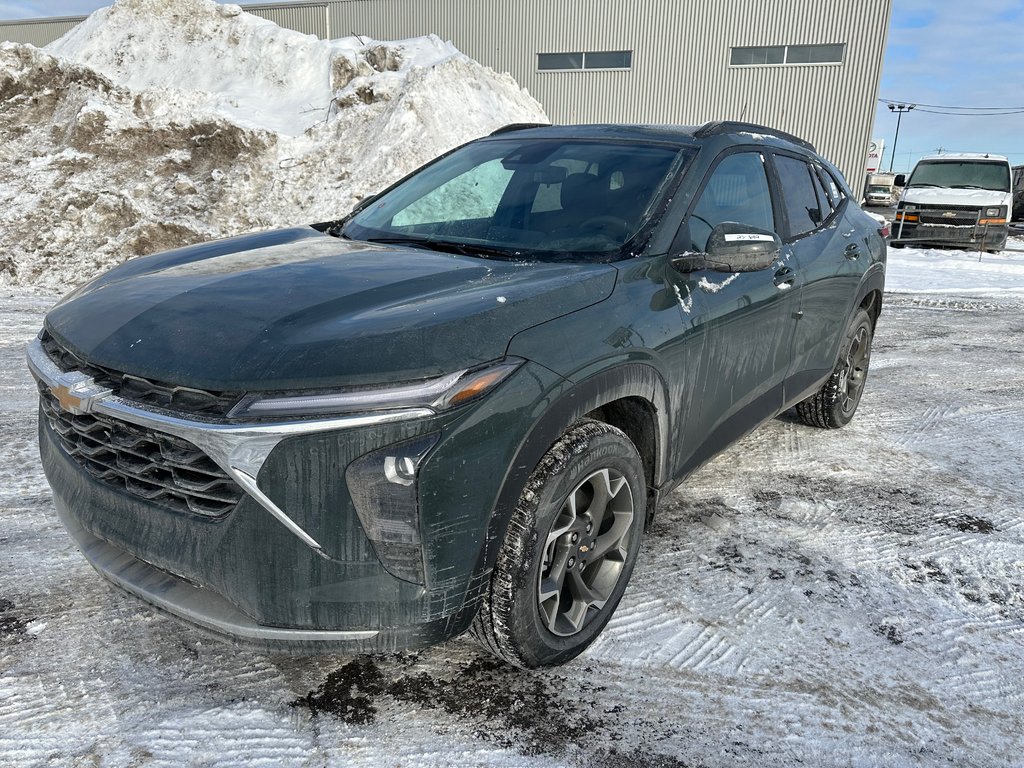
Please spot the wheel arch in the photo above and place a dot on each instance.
(631, 397)
(869, 295)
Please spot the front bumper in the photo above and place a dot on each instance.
(314, 582)
(965, 232)
(202, 608)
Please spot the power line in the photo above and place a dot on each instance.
(947, 106)
(971, 114)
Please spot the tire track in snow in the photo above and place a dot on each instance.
(251, 737)
(701, 647)
(765, 677)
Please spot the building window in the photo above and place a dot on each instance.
(787, 54)
(814, 54)
(773, 54)
(547, 62)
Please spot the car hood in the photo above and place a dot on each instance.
(297, 308)
(949, 196)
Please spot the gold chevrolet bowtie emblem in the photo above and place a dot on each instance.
(76, 392)
(68, 400)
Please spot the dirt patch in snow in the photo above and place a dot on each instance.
(484, 691)
(12, 626)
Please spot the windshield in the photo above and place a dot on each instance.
(551, 199)
(878, 190)
(962, 174)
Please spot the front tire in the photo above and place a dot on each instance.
(569, 550)
(834, 404)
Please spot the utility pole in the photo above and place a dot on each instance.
(899, 109)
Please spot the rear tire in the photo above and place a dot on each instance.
(834, 404)
(569, 550)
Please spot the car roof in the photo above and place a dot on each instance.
(682, 134)
(676, 134)
(954, 156)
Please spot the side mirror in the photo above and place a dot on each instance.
(900, 180)
(736, 247)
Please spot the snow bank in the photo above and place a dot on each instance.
(157, 123)
(959, 272)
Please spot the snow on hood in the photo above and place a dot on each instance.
(159, 123)
(949, 196)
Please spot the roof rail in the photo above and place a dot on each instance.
(734, 126)
(518, 127)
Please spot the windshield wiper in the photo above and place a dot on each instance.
(447, 246)
(472, 249)
(923, 184)
(412, 242)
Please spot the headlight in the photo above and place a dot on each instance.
(993, 215)
(436, 395)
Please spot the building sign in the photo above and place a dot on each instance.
(875, 149)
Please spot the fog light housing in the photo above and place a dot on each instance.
(385, 492)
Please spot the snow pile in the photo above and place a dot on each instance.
(158, 123)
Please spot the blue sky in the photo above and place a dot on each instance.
(949, 53)
(954, 53)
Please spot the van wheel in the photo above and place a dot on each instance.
(834, 404)
(569, 550)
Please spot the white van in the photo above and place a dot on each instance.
(959, 199)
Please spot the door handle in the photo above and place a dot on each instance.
(785, 278)
(852, 251)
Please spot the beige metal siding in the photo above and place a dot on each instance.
(38, 32)
(681, 71)
(309, 18)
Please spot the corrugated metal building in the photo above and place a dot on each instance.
(811, 67)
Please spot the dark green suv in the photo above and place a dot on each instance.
(456, 408)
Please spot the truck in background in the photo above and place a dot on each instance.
(1018, 193)
(880, 189)
(959, 199)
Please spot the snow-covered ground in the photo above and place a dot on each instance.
(853, 597)
(914, 270)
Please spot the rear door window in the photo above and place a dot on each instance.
(799, 197)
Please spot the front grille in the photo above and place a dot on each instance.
(159, 468)
(950, 215)
(147, 392)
